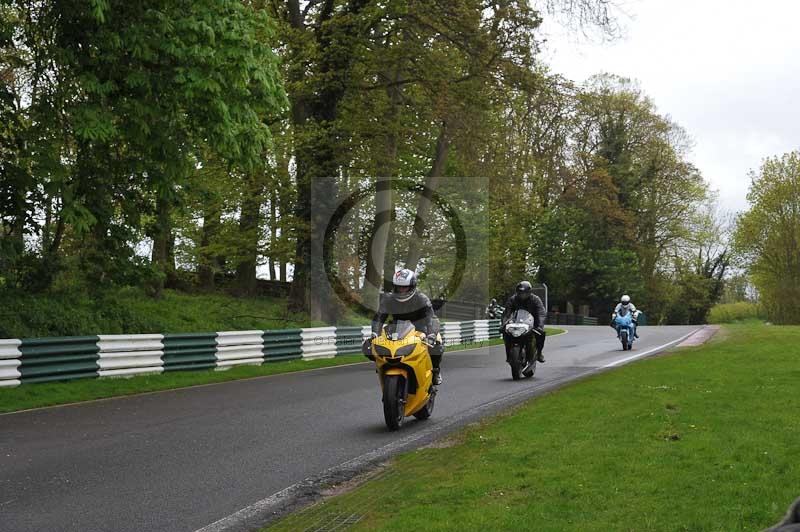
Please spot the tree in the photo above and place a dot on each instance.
(768, 236)
(123, 97)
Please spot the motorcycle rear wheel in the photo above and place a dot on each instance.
(394, 401)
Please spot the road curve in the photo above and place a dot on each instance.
(183, 459)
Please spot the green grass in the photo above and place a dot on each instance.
(702, 440)
(57, 393)
(734, 312)
(131, 311)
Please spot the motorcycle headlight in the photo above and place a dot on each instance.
(381, 351)
(517, 330)
(405, 350)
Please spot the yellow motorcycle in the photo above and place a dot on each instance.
(405, 372)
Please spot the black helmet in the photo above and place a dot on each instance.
(524, 291)
(494, 301)
(404, 285)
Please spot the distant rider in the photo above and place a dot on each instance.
(407, 303)
(493, 311)
(626, 305)
(525, 299)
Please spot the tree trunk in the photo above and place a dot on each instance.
(273, 232)
(249, 225)
(317, 151)
(376, 252)
(209, 262)
(380, 264)
(163, 246)
(424, 204)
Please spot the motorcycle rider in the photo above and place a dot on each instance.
(525, 299)
(494, 310)
(405, 302)
(626, 304)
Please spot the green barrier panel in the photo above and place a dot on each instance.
(348, 340)
(282, 345)
(467, 332)
(58, 359)
(494, 329)
(189, 351)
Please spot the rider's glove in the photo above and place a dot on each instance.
(431, 338)
(366, 349)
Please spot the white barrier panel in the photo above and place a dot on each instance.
(481, 330)
(9, 362)
(126, 355)
(451, 333)
(319, 342)
(239, 347)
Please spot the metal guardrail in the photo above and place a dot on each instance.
(69, 358)
(465, 310)
(558, 318)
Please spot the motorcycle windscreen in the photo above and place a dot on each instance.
(523, 316)
(399, 329)
(624, 320)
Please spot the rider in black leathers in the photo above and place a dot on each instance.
(405, 302)
(525, 299)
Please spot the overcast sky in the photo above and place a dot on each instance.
(727, 71)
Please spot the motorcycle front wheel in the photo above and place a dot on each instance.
(394, 401)
(624, 339)
(514, 360)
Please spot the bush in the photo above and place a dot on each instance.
(732, 312)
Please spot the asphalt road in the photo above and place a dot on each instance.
(181, 460)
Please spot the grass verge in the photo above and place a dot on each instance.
(132, 311)
(58, 393)
(701, 440)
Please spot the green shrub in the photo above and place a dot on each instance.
(733, 312)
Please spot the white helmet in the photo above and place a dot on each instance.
(404, 285)
(625, 300)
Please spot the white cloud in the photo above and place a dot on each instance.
(728, 71)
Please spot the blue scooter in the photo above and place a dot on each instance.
(625, 327)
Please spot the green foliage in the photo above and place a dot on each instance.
(144, 93)
(148, 144)
(131, 311)
(768, 237)
(735, 312)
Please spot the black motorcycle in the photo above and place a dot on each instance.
(518, 334)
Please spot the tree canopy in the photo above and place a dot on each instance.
(201, 145)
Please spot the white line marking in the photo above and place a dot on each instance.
(644, 354)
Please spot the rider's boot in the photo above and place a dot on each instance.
(437, 376)
(528, 370)
(540, 356)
